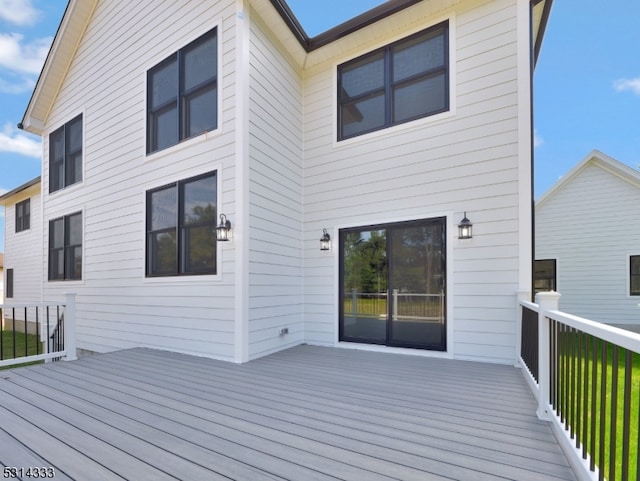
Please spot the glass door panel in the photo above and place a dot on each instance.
(364, 286)
(416, 269)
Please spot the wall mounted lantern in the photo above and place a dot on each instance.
(325, 241)
(465, 228)
(223, 230)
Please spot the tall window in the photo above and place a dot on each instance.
(65, 155)
(545, 275)
(9, 289)
(634, 275)
(181, 227)
(23, 215)
(65, 247)
(182, 94)
(403, 81)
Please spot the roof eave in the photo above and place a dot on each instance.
(21, 188)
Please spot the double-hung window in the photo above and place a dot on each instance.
(182, 94)
(65, 247)
(404, 81)
(545, 275)
(181, 227)
(634, 275)
(65, 155)
(23, 215)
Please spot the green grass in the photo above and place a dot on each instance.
(602, 426)
(11, 351)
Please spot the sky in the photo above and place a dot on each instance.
(586, 83)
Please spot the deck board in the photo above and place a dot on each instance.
(308, 413)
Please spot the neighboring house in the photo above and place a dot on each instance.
(588, 240)
(159, 117)
(23, 246)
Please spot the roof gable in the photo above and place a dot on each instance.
(597, 159)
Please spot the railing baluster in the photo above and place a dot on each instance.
(603, 409)
(553, 362)
(594, 399)
(48, 332)
(38, 341)
(585, 397)
(614, 414)
(13, 325)
(26, 338)
(626, 422)
(1, 334)
(578, 407)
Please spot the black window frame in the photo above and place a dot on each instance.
(23, 215)
(9, 288)
(552, 284)
(180, 102)
(632, 260)
(67, 249)
(390, 85)
(180, 230)
(68, 175)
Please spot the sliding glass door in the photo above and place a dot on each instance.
(392, 284)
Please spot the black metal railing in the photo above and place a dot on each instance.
(29, 331)
(529, 340)
(595, 392)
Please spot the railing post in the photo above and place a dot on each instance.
(547, 301)
(523, 295)
(70, 327)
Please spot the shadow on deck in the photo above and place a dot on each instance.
(308, 413)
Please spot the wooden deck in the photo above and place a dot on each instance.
(308, 413)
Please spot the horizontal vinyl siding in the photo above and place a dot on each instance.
(21, 251)
(465, 160)
(591, 226)
(275, 197)
(117, 306)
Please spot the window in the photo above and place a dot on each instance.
(9, 289)
(545, 275)
(404, 81)
(182, 94)
(23, 215)
(65, 247)
(181, 227)
(65, 155)
(634, 275)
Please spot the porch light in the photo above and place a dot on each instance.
(464, 228)
(224, 228)
(325, 241)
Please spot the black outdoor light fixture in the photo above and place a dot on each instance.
(325, 241)
(464, 228)
(224, 229)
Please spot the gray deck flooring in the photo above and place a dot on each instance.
(308, 413)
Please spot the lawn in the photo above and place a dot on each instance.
(23, 343)
(594, 401)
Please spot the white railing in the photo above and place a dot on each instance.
(48, 327)
(404, 305)
(581, 372)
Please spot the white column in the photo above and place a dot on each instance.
(547, 301)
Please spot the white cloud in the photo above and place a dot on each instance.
(623, 84)
(12, 140)
(537, 140)
(19, 12)
(26, 58)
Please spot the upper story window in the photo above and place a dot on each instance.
(634, 275)
(65, 155)
(182, 94)
(404, 81)
(65, 247)
(23, 215)
(181, 227)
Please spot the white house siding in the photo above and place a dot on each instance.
(464, 160)
(590, 226)
(21, 250)
(117, 307)
(275, 196)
